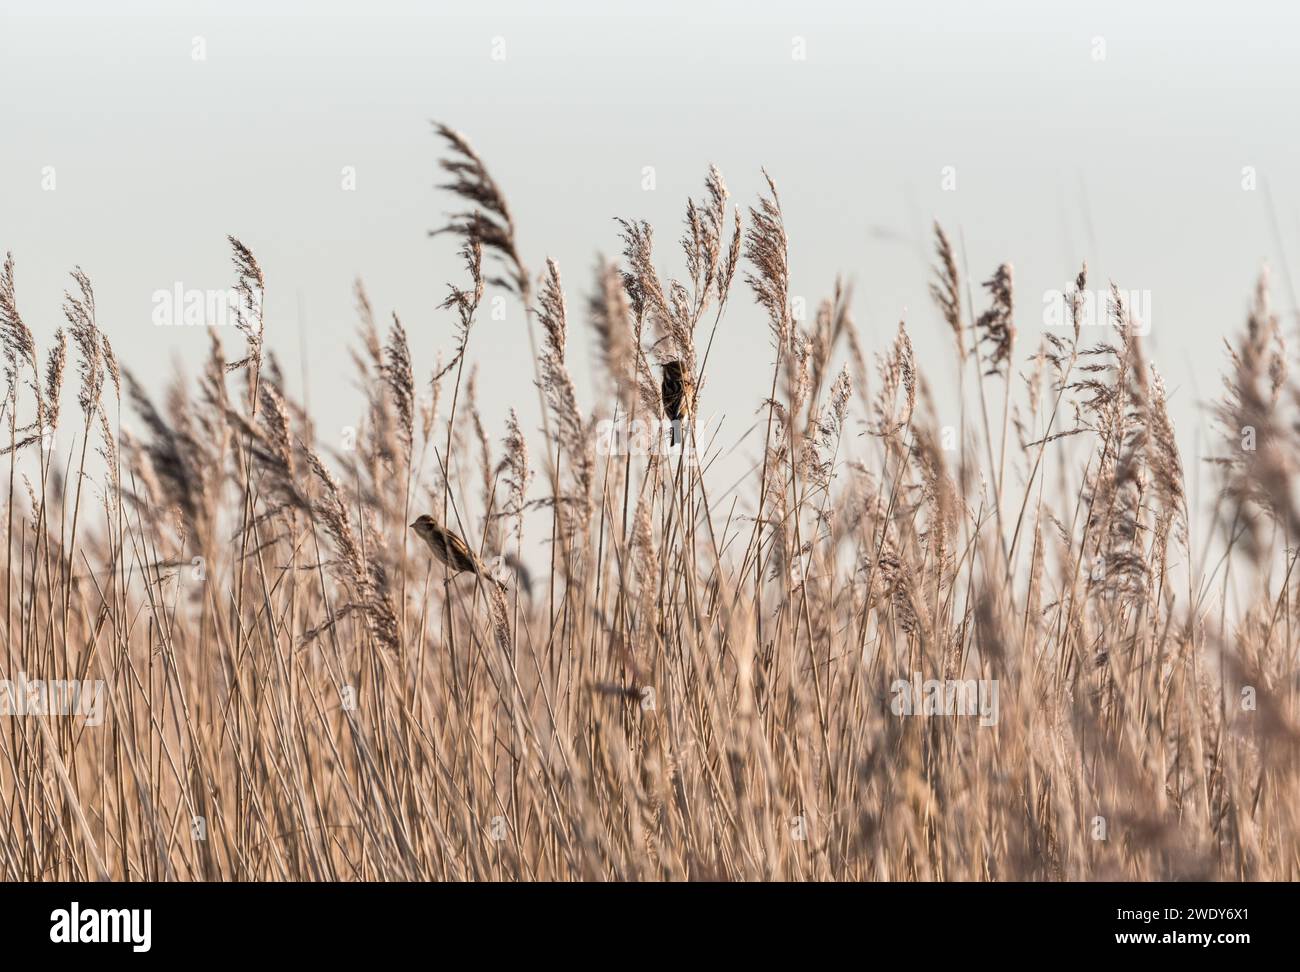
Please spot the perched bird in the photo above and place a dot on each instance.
(677, 392)
(446, 546)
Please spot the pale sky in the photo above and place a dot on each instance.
(1132, 160)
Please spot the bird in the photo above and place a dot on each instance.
(446, 546)
(678, 390)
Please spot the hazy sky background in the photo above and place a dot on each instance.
(1133, 162)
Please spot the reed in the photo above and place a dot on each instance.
(709, 680)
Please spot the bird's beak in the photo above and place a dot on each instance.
(413, 524)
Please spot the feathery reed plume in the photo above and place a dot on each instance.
(1260, 462)
(80, 312)
(491, 225)
(270, 443)
(1162, 447)
(995, 326)
(368, 580)
(831, 323)
(277, 437)
(1115, 515)
(381, 443)
(110, 365)
(465, 302)
(898, 590)
(514, 464)
(54, 365)
(1077, 299)
(647, 570)
(896, 371)
(649, 388)
(15, 336)
(178, 460)
(571, 430)
(1061, 353)
(702, 241)
(946, 290)
(609, 312)
(798, 373)
(674, 313)
(667, 317)
(827, 425)
(400, 379)
(499, 612)
(19, 349)
(774, 505)
(939, 494)
(767, 247)
(249, 287)
(731, 261)
(107, 450)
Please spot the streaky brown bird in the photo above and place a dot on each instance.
(677, 393)
(446, 546)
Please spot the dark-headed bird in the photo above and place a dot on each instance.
(677, 394)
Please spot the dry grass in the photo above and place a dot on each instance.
(701, 685)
